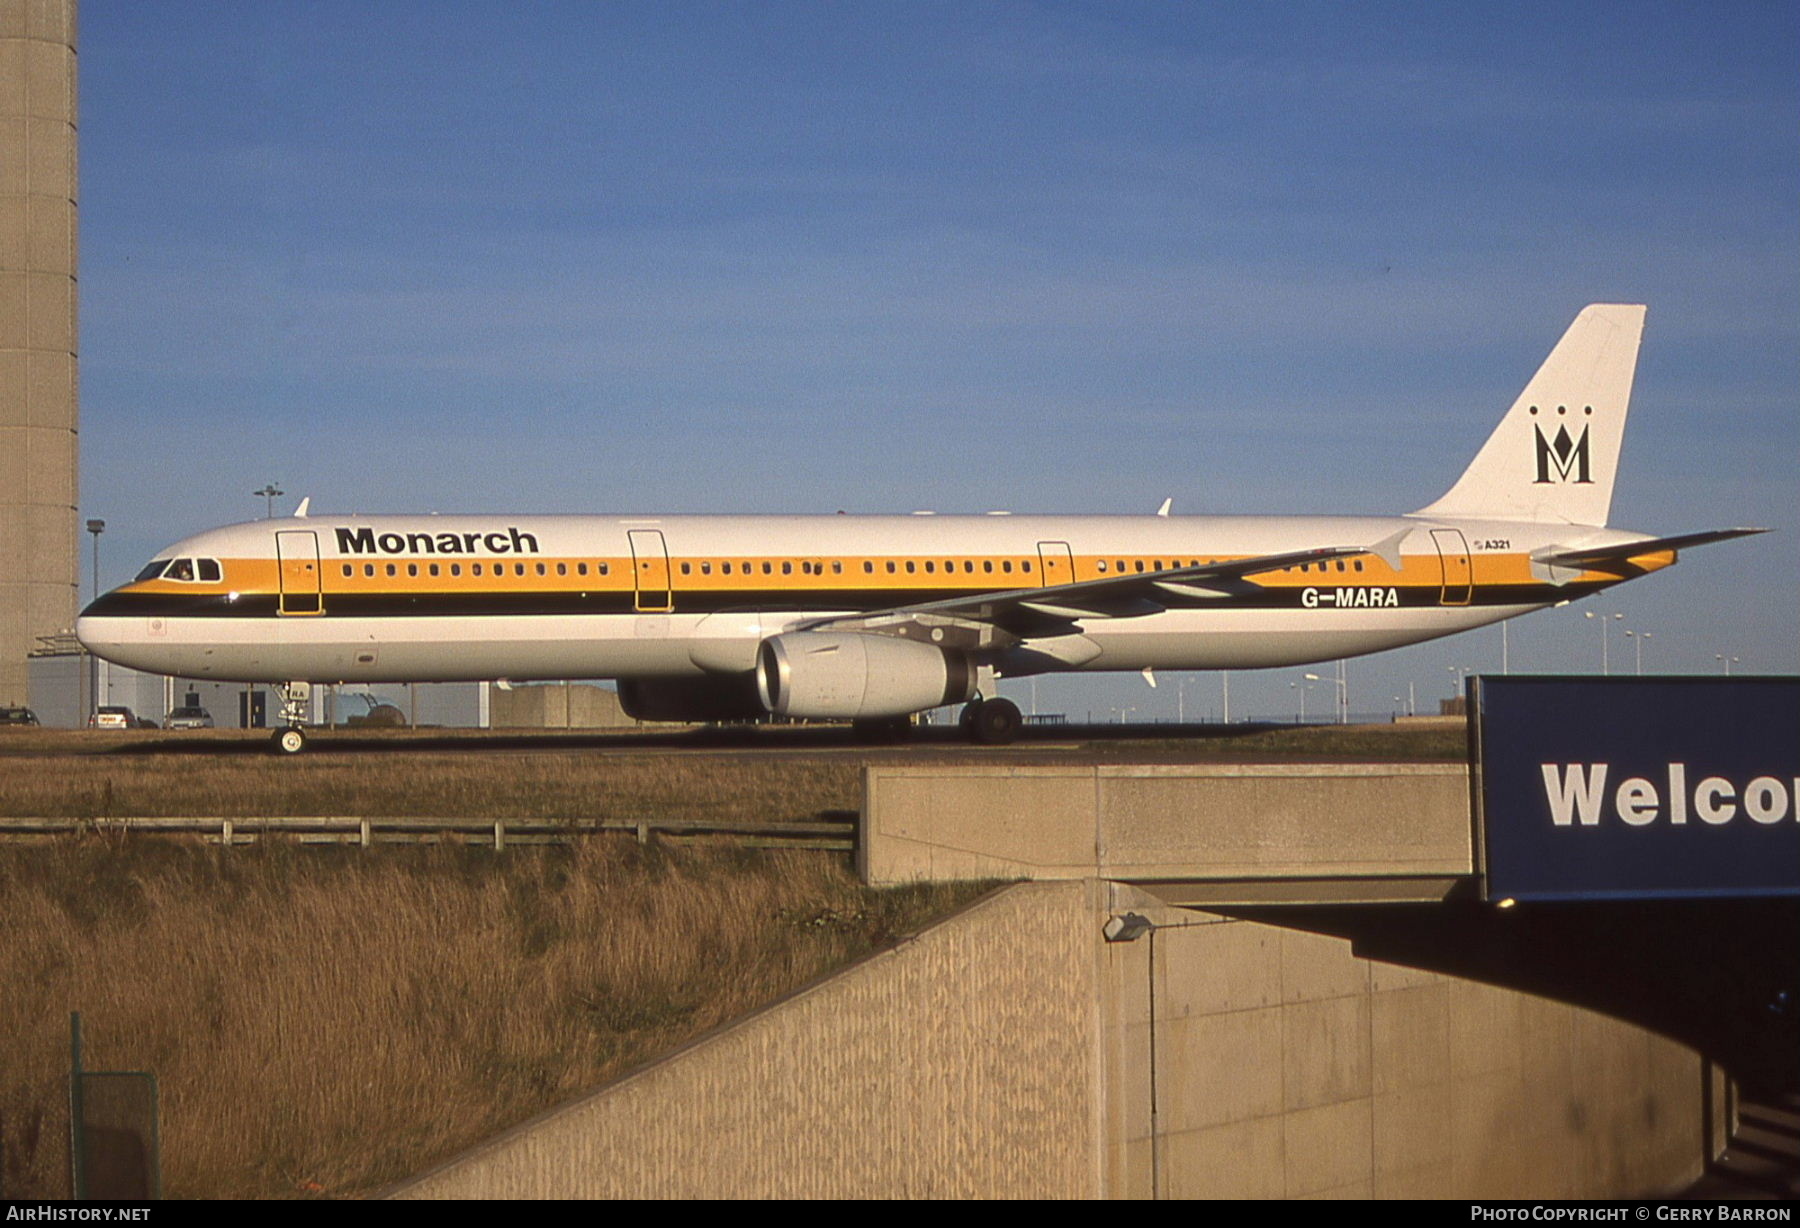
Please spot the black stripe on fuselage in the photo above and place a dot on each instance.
(556, 603)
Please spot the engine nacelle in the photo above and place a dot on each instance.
(846, 674)
(690, 699)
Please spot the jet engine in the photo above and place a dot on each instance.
(846, 674)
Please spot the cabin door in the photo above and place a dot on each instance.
(1458, 572)
(650, 571)
(1057, 562)
(297, 560)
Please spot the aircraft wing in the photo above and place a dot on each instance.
(1055, 609)
(1617, 559)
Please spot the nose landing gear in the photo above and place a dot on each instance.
(296, 697)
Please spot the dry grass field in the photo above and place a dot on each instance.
(436, 783)
(468, 774)
(324, 1021)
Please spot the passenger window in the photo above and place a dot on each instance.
(1103, 566)
(434, 569)
(456, 569)
(581, 569)
(1026, 565)
(475, 569)
(369, 568)
(987, 565)
(1139, 564)
(910, 567)
(869, 566)
(412, 569)
(562, 569)
(348, 569)
(603, 569)
(768, 569)
(686, 569)
(930, 566)
(541, 570)
(706, 569)
(1006, 565)
(1359, 564)
(837, 567)
(890, 567)
(392, 570)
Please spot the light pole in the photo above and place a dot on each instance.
(1225, 677)
(96, 527)
(1725, 661)
(1302, 689)
(269, 494)
(1605, 662)
(1638, 638)
(1341, 685)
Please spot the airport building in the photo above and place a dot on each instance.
(39, 546)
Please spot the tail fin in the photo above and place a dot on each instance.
(1553, 456)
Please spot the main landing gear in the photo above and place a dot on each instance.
(290, 739)
(991, 722)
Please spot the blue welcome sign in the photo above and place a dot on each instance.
(1595, 788)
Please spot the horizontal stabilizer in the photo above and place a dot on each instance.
(1607, 558)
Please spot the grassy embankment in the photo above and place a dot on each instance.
(323, 1021)
(80, 775)
(436, 783)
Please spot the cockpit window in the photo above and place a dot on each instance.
(181, 569)
(152, 569)
(209, 569)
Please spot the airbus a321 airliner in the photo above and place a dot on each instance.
(874, 618)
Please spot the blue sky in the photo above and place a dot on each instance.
(1051, 257)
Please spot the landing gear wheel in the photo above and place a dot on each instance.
(996, 722)
(966, 722)
(290, 741)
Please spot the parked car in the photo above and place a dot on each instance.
(17, 716)
(111, 717)
(190, 717)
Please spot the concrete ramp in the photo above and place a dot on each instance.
(1189, 834)
(957, 1065)
(1010, 1051)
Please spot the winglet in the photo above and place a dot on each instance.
(1166, 505)
(300, 512)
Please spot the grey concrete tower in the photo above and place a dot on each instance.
(39, 548)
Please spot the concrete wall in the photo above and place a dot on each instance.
(958, 1065)
(1287, 1067)
(557, 706)
(1011, 1052)
(38, 548)
(1392, 831)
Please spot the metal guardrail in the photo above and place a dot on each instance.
(836, 830)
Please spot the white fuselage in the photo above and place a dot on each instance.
(439, 598)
